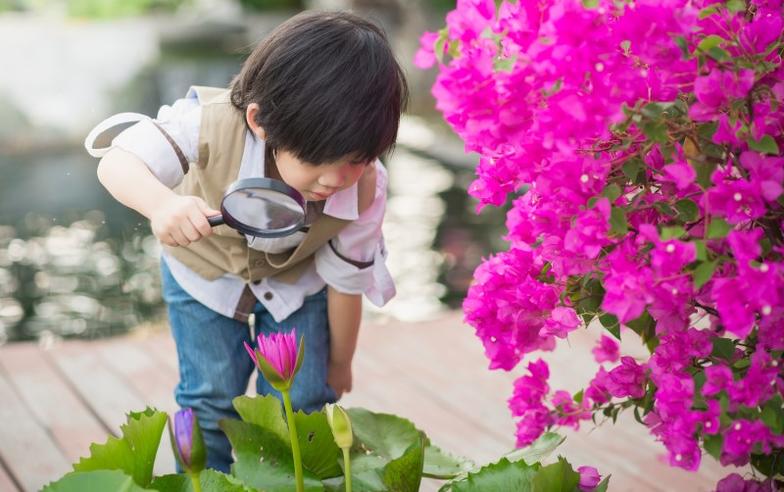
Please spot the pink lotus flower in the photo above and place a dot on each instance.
(278, 358)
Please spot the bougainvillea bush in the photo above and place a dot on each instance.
(640, 143)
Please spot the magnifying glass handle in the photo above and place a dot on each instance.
(215, 220)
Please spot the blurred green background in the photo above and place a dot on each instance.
(75, 263)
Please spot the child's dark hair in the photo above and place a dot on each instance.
(328, 86)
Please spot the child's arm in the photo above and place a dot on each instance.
(344, 312)
(175, 220)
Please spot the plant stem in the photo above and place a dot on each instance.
(347, 468)
(294, 441)
(195, 482)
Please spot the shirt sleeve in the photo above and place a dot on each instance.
(354, 261)
(181, 121)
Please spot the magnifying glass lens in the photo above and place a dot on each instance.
(263, 209)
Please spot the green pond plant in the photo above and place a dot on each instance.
(279, 450)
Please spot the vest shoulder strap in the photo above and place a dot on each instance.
(208, 95)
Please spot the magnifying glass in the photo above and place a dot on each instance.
(262, 207)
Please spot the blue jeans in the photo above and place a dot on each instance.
(215, 367)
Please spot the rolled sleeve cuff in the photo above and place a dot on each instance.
(345, 276)
(148, 143)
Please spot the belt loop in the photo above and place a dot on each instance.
(252, 327)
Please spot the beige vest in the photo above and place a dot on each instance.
(221, 145)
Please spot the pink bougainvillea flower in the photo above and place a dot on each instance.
(715, 90)
(606, 350)
(562, 321)
(425, 57)
(278, 358)
(717, 378)
(627, 379)
(766, 173)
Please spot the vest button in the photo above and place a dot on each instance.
(268, 296)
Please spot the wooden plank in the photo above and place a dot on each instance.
(110, 396)
(161, 346)
(447, 355)
(27, 450)
(153, 381)
(69, 422)
(6, 482)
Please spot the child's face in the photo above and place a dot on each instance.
(318, 183)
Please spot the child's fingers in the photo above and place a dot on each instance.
(189, 231)
(179, 238)
(206, 209)
(200, 224)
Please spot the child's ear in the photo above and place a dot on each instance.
(251, 114)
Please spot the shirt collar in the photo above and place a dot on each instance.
(342, 205)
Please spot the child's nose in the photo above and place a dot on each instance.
(332, 179)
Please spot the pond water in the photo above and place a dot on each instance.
(75, 263)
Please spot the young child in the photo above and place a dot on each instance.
(315, 105)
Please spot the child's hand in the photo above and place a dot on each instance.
(180, 220)
(339, 377)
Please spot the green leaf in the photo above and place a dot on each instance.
(612, 191)
(264, 411)
(645, 327)
(387, 436)
(618, 224)
(602, 487)
(502, 475)
(317, 446)
(631, 169)
(704, 170)
(773, 414)
(440, 44)
(404, 474)
(672, 232)
(590, 4)
(558, 477)
(264, 460)
(504, 64)
(610, 322)
(712, 444)
(703, 273)
(443, 465)
(683, 45)
(718, 54)
(665, 208)
(590, 298)
(94, 481)
(687, 209)
(537, 450)
(708, 11)
(134, 452)
(702, 252)
(709, 42)
(723, 348)
(768, 464)
(652, 110)
(655, 130)
(766, 145)
(735, 6)
(210, 481)
(718, 228)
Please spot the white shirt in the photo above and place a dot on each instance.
(360, 241)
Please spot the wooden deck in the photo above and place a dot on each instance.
(54, 402)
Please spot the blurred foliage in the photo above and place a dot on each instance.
(119, 8)
(272, 4)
